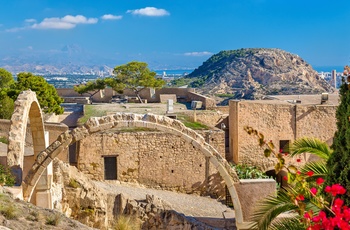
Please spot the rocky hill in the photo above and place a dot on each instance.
(253, 73)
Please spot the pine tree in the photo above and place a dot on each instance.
(339, 162)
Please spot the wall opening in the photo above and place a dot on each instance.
(110, 167)
(284, 146)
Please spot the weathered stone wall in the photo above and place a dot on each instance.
(208, 103)
(54, 129)
(277, 120)
(155, 159)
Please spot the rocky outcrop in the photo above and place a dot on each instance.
(253, 73)
(79, 198)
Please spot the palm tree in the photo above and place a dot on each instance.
(282, 211)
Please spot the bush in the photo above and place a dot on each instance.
(54, 219)
(9, 212)
(6, 178)
(249, 172)
(127, 223)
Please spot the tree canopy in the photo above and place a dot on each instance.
(133, 75)
(338, 163)
(47, 95)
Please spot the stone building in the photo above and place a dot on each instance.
(282, 120)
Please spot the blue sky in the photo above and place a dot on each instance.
(178, 32)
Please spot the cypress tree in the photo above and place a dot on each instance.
(339, 162)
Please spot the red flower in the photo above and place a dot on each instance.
(310, 173)
(298, 172)
(281, 150)
(300, 197)
(298, 160)
(285, 178)
(319, 181)
(335, 189)
(313, 191)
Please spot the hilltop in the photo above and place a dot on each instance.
(252, 73)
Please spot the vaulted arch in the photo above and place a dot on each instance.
(26, 109)
(119, 120)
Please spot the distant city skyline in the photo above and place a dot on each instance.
(169, 34)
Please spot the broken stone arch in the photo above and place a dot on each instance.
(120, 120)
(27, 108)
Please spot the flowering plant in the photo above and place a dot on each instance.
(303, 202)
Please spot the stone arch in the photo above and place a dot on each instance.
(118, 120)
(26, 108)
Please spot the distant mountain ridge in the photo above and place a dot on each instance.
(252, 73)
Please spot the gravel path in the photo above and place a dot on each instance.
(189, 205)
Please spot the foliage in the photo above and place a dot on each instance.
(73, 183)
(91, 111)
(134, 75)
(189, 123)
(90, 86)
(129, 222)
(54, 219)
(6, 79)
(215, 64)
(6, 177)
(303, 198)
(47, 95)
(249, 172)
(33, 216)
(9, 211)
(4, 140)
(338, 163)
(182, 81)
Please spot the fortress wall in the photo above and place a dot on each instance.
(277, 121)
(207, 102)
(316, 121)
(155, 159)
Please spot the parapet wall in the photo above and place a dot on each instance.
(151, 95)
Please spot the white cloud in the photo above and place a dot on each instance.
(198, 54)
(30, 47)
(111, 17)
(15, 29)
(30, 20)
(149, 11)
(67, 22)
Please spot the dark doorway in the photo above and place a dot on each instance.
(110, 168)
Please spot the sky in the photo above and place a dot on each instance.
(177, 33)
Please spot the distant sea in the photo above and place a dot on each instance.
(177, 72)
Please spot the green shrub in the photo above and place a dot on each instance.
(249, 172)
(6, 178)
(4, 140)
(73, 183)
(33, 216)
(54, 219)
(9, 211)
(124, 222)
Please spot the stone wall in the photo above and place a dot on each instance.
(208, 103)
(155, 159)
(54, 129)
(277, 120)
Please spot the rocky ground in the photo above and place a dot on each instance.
(17, 214)
(202, 209)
